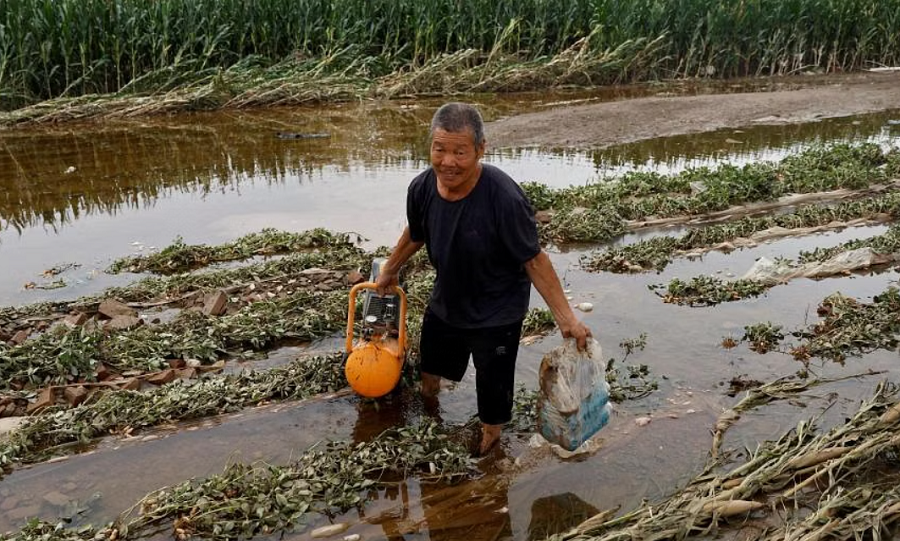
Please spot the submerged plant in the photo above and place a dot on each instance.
(657, 252)
(598, 212)
(763, 337)
(180, 257)
(632, 381)
(72, 354)
(708, 290)
(249, 500)
(850, 327)
(888, 243)
(116, 411)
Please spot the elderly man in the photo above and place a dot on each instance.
(481, 237)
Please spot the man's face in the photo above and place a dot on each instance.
(455, 158)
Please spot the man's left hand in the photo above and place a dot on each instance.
(579, 331)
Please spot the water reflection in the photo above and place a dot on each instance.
(51, 178)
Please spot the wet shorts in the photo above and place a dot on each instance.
(445, 352)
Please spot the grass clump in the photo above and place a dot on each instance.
(180, 257)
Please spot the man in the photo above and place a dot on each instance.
(481, 237)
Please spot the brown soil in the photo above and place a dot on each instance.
(598, 125)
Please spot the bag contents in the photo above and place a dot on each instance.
(574, 399)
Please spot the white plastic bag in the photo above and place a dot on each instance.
(574, 400)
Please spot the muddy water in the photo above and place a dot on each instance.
(91, 193)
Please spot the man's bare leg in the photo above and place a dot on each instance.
(490, 435)
(431, 385)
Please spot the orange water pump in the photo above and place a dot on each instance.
(374, 363)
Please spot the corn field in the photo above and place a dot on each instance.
(67, 48)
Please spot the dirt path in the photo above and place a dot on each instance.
(599, 125)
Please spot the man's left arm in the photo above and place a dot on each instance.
(545, 280)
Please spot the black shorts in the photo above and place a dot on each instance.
(445, 352)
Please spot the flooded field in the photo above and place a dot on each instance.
(77, 197)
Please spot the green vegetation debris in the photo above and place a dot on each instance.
(180, 257)
(250, 500)
(538, 321)
(599, 211)
(708, 290)
(121, 411)
(656, 253)
(64, 355)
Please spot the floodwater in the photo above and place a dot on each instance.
(87, 194)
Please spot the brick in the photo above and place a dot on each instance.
(44, 400)
(215, 304)
(112, 308)
(19, 337)
(123, 323)
(75, 395)
(161, 378)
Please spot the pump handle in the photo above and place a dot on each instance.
(351, 314)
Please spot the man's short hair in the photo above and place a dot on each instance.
(456, 117)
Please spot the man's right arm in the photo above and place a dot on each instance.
(390, 271)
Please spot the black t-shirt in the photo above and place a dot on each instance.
(478, 245)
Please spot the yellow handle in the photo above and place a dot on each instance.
(351, 315)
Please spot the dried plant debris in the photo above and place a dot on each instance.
(126, 411)
(807, 485)
(181, 257)
(254, 500)
(599, 212)
(656, 253)
(707, 290)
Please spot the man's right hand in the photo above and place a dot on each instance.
(386, 282)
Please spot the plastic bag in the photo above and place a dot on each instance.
(778, 272)
(574, 400)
